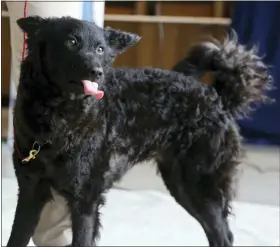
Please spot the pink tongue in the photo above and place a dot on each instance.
(91, 88)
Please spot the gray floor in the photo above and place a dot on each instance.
(258, 180)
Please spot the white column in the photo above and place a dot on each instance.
(98, 9)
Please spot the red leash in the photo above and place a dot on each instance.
(24, 53)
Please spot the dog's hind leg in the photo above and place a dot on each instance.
(31, 199)
(198, 195)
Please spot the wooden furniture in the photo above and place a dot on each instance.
(170, 8)
(165, 39)
(167, 28)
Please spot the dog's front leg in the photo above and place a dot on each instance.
(31, 200)
(85, 222)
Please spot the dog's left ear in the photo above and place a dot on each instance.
(30, 24)
(119, 40)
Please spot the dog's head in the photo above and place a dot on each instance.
(73, 53)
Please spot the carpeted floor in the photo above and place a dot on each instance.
(152, 218)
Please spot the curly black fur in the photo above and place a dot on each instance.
(88, 144)
(240, 75)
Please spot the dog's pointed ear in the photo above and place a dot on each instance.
(119, 40)
(30, 24)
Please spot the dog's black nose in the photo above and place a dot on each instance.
(97, 73)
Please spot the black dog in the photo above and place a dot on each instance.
(82, 145)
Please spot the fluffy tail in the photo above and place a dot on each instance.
(241, 78)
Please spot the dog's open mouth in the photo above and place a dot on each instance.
(91, 88)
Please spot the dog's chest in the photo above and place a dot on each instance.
(72, 122)
(66, 131)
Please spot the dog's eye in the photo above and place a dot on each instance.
(71, 42)
(100, 49)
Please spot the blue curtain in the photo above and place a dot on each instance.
(259, 23)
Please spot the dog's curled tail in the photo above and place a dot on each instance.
(241, 77)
